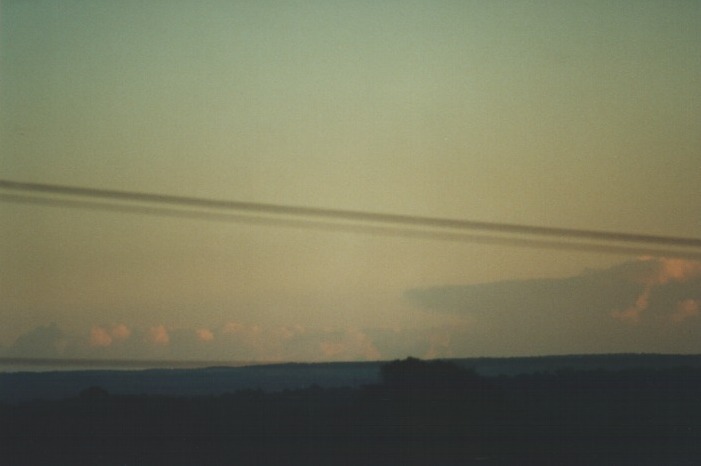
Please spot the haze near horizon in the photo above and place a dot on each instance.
(559, 114)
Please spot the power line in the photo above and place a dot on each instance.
(350, 220)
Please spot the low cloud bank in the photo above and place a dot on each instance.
(645, 305)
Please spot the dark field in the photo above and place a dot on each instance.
(414, 412)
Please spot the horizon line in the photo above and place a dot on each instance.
(204, 364)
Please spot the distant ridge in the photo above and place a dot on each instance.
(15, 364)
(19, 364)
(188, 378)
(492, 366)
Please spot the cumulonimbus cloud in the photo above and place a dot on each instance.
(103, 336)
(120, 332)
(350, 345)
(631, 306)
(158, 335)
(660, 272)
(100, 337)
(687, 309)
(42, 341)
(204, 334)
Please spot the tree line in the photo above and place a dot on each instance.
(419, 412)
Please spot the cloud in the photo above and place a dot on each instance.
(245, 336)
(287, 332)
(630, 306)
(657, 273)
(673, 270)
(644, 305)
(280, 343)
(236, 341)
(100, 337)
(120, 332)
(633, 313)
(158, 335)
(440, 344)
(351, 344)
(530, 297)
(42, 341)
(246, 343)
(204, 334)
(686, 310)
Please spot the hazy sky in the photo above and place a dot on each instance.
(582, 114)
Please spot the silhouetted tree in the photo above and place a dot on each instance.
(433, 397)
(413, 373)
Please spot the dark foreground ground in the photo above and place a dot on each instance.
(418, 413)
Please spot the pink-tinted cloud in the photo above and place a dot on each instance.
(331, 349)
(632, 314)
(352, 344)
(204, 334)
(100, 337)
(120, 332)
(668, 270)
(686, 309)
(661, 272)
(158, 335)
(252, 335)
(680, 269)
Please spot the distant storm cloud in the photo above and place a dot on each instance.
(532, 297)
(248, 337)
(235, 341)
(640, 305)
(297, 342)
(658, 273)
(120, 332)
(101, 336)
(204, 334)
(626, 290)
(439, 344)
(42, 341)
(351, 344)
(687, 309)
(648, 304)
(158, 335)
(673, 270)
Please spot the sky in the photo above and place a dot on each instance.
(572, 114)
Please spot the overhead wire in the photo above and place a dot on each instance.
(360, 222)
(157, 204)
